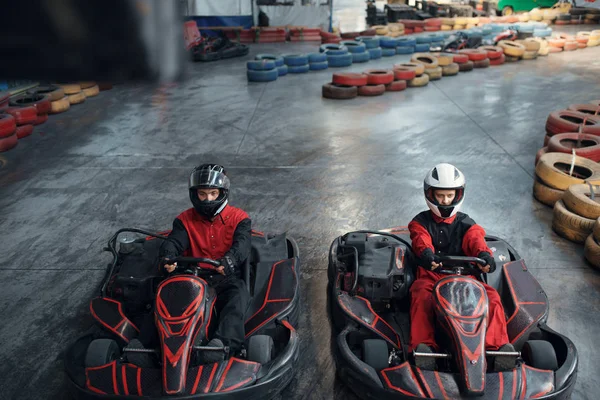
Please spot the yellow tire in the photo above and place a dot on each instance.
(434, 73)
(419, 81)
(444, 59)
(428, 61)
(59, 106)
(596, 230)
(76, 98)
(577, 199)
(545, 194)
(71, 88)
(591, 251)
(570, 225)
(554, 168)
(91, 91)
(461, 21)
(417, 67)
(446, 27)
(530, 55)
(87, 84)
(511, 48)
(450, 70)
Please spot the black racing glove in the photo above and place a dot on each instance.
(489, 260)
(427, 257)
(166, 260)
(229, 265)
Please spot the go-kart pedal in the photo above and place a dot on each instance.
(210, 356)
(424, 362)
(143, 360)
(505, 363)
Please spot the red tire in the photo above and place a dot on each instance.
(437, 22)
(493, 52)
(557, 42)
(570, 121)
(571, 45)
(547, 140)
(540, 153)
(23, 115)
(349, 79)
(40, 101)
(379, 76)
(585, 108)
(498, 61)
(554, 49)
(585, 145)
(474, 54)
(396, 86)
(581, 45)
(371, 90)
(24, 131)
(418, 29)
(404, 74)
(408, 31)
(41, 119)
(432, 28)
(460, 58)
(7, 125)
(8, 143)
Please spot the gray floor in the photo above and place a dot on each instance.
(298, 163)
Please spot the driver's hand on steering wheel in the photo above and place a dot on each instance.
(484, 268)
(170, 267)
(434, 265)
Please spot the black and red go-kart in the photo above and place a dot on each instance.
(370, 274)
(111, 363)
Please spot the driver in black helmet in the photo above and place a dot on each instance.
(216, 230)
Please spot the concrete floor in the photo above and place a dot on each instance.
(298, 163)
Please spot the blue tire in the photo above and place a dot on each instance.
(405, 42)
(282, 69)
(422, 48)
(486, 30)
(295, 60)
(361, 57)
(388, 52)
(405, 49)
(375, 53)
(388, 43)
(354, 47)
(339, 60)
(298, 69)
(260, 65)
(435, 37)
(333, 49)
(262, 76)
(372, 42)
(272, 57)
(423, 39)
(318, 66)
(542, 32)
(317, 57)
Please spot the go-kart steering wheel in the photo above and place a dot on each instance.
(194, 261)
(460, 265)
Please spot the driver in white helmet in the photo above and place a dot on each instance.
(444, 230)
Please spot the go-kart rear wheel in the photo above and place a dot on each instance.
(540, 354)
(101, 352)
(375, 353)
(260, 349)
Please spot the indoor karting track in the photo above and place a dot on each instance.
(298, 163)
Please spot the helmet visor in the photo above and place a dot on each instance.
(207, 178)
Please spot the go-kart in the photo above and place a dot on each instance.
(370, 274)
(110, 361)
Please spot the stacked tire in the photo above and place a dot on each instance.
(591, 249)
(373, 46)
(264, 69)
(464, 64)
(512, 51)
(344, 85)
(317, 61)
(430, 63)
(358, 50)
(388, 46)
(565, 121)
(576, 214)
(420, 77)
(296, 63)
(59, 102)
(40, 102)
(8, 128)
(74, 93)
(337, 55)
(478, 57)
(406, 45)
(447, 64)
(495, 54)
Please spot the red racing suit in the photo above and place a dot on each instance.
(457, 235)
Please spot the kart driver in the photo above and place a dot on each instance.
(443, 230)
(216, 230)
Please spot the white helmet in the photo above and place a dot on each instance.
(444, 176)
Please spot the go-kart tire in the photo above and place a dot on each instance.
(22, 115)
(466, 67)
(375, 53)
(427, 60)
(8, 125)
(142, 360)
(39, 101)
(545, 194)
(419, 81)
(316, 57)
(406, 42)
(354, 47)
(511, 59)
(386, 52)
(481, 64)
(591, 250)
(569, 225)
(53, 92)
(278, 60)
(529, 44)
(77, 98)
(530, 55)
(553, 169)
(444, 60)
(349, 79)
(493, 52)
(540, 153)
(577, 199)
(405, 50)
(435, 74)
(388, 43)
(71, 88)
(339, 92)
(262, 76)
(87, 84)
(260, 65)
(540, 354)
(475, 54)
(375, 353)
(23, 131)
(59, 106)
(295, 60)
(360, 57)
(8, 143)
(282, 70)
(450, 70)
(460, 58)
(498, 61)
(370, 42)
(396, 86)
(333, 49)
(566, 142)
(339, 60)
(371, 90)
(422, 47)
(379, 76)
(91, 91)
(571, 45)
(570, 121)
(511, 48)
(298, 69)
(585, 108)
(417, 67)
(318, 66)
(101, 352)
(41, 118)
(404, 73)
(260, 349)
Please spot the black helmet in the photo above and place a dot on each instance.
(209, 176)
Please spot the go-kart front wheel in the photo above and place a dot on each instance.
(375, 353)
(540, 354)
(260, 349)
(101, 352)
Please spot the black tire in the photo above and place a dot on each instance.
(539, 354)
(260, 349)
(375, 353)
(101, 352)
